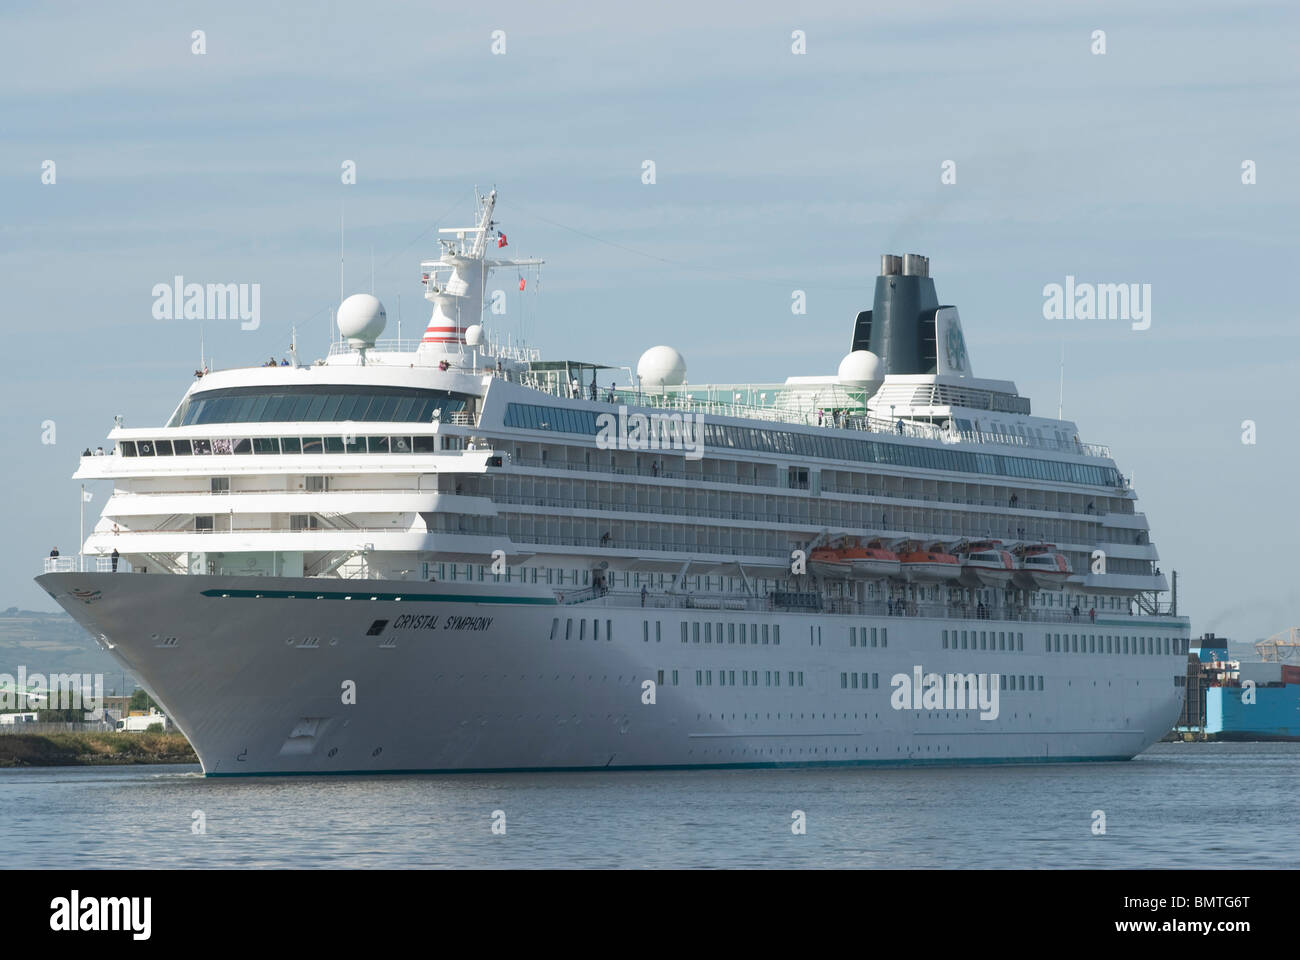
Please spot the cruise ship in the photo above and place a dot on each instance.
(452, 554)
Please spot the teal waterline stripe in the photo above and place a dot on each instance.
(366, 595)
(770, 765)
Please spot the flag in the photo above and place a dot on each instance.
(521, 283)
(501, 240)
(87, 496)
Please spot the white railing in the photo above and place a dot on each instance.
(480, 359)
(823, 417)
(86, 564)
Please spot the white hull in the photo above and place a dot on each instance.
(930, 572)
(1036, 580)
(977, 575)
(831, 571)
(875, 569)
(257, 683)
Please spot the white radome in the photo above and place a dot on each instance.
(474, 335)
(860, 368)
(361, 319)
(661, 367)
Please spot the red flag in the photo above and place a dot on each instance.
(501, 240)
(521, 283)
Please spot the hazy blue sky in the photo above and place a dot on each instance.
(775, 172)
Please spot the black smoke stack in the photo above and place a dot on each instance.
(899, 327)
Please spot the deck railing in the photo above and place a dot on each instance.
(86, 564)
(592, 596)
(823, 416)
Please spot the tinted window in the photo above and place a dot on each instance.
(296, 402)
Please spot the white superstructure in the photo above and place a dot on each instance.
(452, 555)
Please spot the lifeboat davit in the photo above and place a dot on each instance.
(851, 559)
(1039, 566)
(919, 563)
(984, 563)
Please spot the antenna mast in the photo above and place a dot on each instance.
(1060, 400)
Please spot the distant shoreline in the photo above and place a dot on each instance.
(93, 749)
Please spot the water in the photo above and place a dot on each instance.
(1177, 805)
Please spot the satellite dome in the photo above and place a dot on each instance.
(861, 368)
(361, 319)
(474, 335)
(661, 367)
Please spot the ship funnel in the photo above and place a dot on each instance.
(906, 326)
(915, 265)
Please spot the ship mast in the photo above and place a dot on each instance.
(457, 281)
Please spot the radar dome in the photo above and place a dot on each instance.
(474, 335)
(861, 368)
(661, 367)
(361, 319)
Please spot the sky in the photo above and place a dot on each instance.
(775, 171)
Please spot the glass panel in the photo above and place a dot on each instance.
(291, 445)
(182, 447)
(331, 408)
(345, 407)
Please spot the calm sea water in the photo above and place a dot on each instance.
(1177, 805)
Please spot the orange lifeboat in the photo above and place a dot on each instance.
(851, 559)
(1039, 566)
(827, 562)
(931, 564)
(984, 563)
